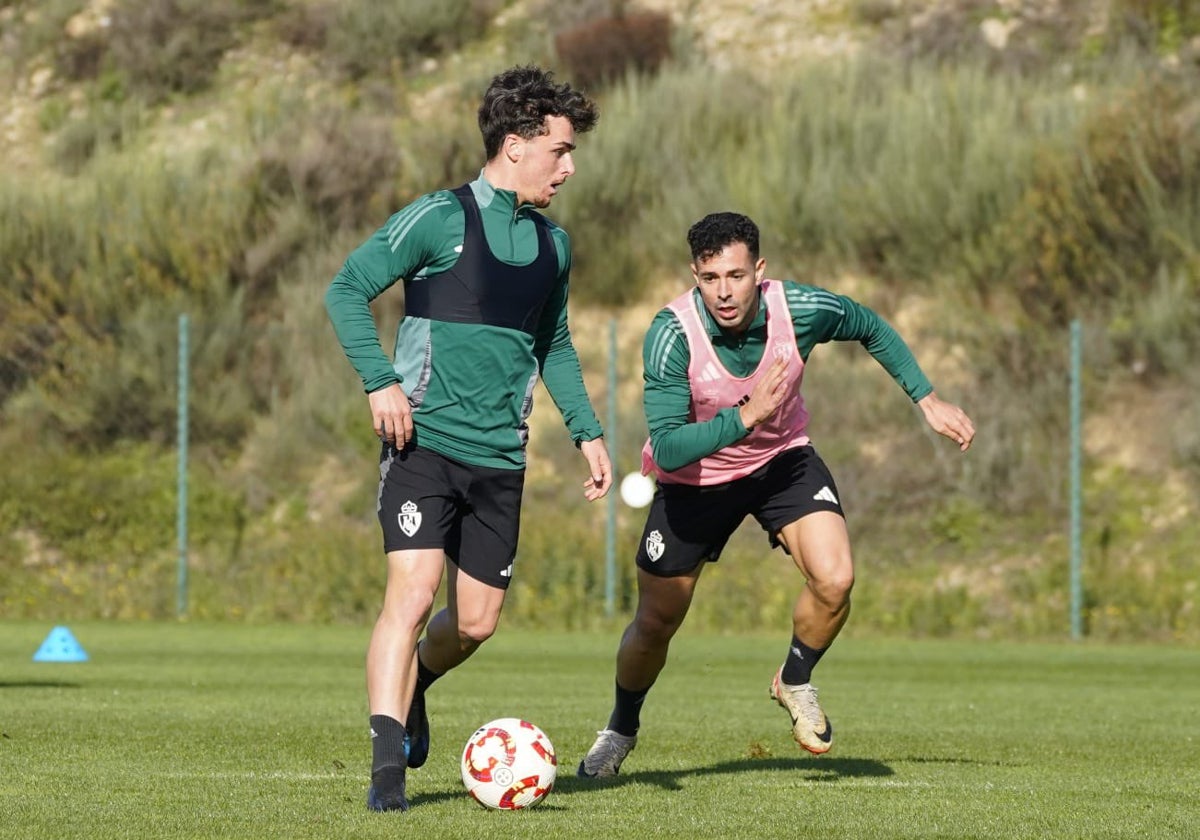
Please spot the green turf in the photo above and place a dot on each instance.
(174, 731)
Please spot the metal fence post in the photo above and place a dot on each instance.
(610, 551)
(1076, 483)
(181, 509)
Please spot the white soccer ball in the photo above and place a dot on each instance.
(509, 764)
(637, 490)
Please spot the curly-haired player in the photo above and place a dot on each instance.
(485, 315)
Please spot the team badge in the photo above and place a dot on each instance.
(780, 350)
(654, 546)
(410, 518)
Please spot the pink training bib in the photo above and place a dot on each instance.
(714, 388)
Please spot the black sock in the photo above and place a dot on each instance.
(627, 711)
(387, 742)
(801, 659)
(425, 677)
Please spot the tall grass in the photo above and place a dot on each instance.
(895, 168)
(977, 212)
(909, 170)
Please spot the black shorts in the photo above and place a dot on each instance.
(688, 525)
(427, 500)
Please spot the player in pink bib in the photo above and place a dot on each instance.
(728, 439)
(713, 387)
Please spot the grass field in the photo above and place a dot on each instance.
(185, 730)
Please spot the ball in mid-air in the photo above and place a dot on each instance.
(637, 490)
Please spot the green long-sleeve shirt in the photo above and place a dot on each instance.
(471, 384)
(817, 315)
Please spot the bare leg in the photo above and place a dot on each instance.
(413, 580)
(663, 603)
(469, 619)
(820, 546)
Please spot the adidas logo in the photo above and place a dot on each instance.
(709, 373)
(826, 495)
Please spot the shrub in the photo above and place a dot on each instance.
(1161, 25)
(370, 37)
(1100, 215)
(306, 24)
(82, 57)
(104, 125)
(341, 166)
(29, 30)
(171, 46)
(601, 51)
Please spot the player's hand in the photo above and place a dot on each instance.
(948, 420)
(767, 395)
(391, 415)
(600, 467)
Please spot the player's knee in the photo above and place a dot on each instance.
(656, 627)
(834, 588)
(471, 634)
(841, 584)
(411, 610)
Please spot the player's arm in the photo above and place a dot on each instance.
(675, 439)
(408, 242)
(557, 359)
(558, 363)
(819, 315)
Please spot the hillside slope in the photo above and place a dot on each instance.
(978, 172)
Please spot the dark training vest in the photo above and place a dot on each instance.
(480, 289)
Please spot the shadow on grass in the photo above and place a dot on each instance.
(935, 760)
(809, 769)
(38, 684)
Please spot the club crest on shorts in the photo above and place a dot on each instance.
(410, 518)
(654, 546)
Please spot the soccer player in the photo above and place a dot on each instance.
(723, 364)
(485, 299)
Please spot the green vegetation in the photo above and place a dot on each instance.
(204, 730)
(979, 204)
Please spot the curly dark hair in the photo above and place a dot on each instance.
(711, 234)
(518, 101)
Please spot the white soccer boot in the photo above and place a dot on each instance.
(810, 727)
(605, 757)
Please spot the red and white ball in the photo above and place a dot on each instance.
(509, 764)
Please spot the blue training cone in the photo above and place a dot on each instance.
(60, 646)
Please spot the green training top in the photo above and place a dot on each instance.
(818, 316)
(473, 382)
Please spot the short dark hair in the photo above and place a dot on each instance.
(518, 101)
(711, 234)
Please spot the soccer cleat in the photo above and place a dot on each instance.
(416, 741)
(386, 792)
(810, 727)
(605, 757)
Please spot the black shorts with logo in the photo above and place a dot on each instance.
(688, 525)
(427, 500)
